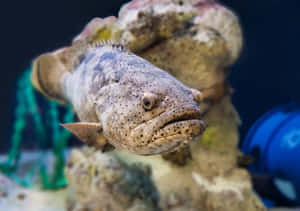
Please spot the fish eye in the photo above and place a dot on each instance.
(149, 101)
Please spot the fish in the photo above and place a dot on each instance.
(122, 101)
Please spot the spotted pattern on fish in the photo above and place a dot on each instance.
(124, 100)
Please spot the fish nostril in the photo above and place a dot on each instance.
(149, 101)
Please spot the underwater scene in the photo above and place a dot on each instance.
(150, 105)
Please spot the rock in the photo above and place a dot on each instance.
(102, 182)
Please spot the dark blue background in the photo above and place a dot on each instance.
(267, 74)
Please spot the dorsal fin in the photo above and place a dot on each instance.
(49, 68)
(108, 43)
(79, 50)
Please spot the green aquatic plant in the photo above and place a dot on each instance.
(27, 106)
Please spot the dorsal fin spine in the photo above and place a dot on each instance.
(110, 43)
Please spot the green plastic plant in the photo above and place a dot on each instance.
(27, 106)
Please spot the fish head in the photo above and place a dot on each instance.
(149, 112)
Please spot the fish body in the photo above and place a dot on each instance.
(124, 101)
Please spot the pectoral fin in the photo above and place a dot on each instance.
(88, 132)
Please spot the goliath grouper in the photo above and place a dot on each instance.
(122, 100)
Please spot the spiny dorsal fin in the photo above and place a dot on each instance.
(49, 68)
(108, 43)
(81, 48)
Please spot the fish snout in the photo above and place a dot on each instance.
(178, 128)
(167, 132)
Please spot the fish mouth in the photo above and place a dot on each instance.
(182, 116)
(167, 132)
(179, 129)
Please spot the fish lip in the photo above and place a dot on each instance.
(197, 123)
(172, 142)
(189, 118)
(181, 116)
(177, 141)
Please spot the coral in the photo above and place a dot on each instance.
(27, 105)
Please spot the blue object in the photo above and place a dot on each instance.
(274, 142)
(268, 203)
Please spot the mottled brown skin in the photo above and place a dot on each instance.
(124, 100)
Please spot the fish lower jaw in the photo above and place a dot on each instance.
(171, 137)
(183, 128)
(177, 135)
(158, 146)
(172, 143)
(163, 145)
